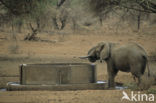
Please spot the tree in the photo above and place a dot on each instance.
(23, 7)
(138, 5)
(30, 11)
(102, 7)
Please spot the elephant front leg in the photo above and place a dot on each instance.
(111, 83)
(111, 76)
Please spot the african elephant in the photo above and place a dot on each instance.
(127, 58)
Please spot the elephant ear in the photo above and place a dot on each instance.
(105, 51)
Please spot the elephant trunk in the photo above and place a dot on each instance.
(90, 58)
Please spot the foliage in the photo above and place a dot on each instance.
(100, 6)
(151, 91)
(25, 8)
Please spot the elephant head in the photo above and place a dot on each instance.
(99, 52)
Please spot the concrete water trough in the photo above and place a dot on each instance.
(57, 76)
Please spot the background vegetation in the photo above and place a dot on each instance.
(63, 16)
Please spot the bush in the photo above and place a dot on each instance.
(151, 91)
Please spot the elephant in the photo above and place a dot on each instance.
(130, 57)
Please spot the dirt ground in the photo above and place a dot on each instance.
(64, 48)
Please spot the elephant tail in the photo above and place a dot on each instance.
(148, 69)
(147, 64)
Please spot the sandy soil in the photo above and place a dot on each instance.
(64, 48)
(85, 96)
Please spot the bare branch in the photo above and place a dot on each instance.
(60, 2)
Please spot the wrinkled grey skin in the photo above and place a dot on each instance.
(127, 58)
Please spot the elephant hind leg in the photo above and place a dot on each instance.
(139, 81)
(138, 70)
(135, 77)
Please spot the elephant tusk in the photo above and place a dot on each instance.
(84, 57)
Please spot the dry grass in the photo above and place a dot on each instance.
(146, 82)
(66, 49)
(13, 48)
(153, 54)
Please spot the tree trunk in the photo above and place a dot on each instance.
(55, 23)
